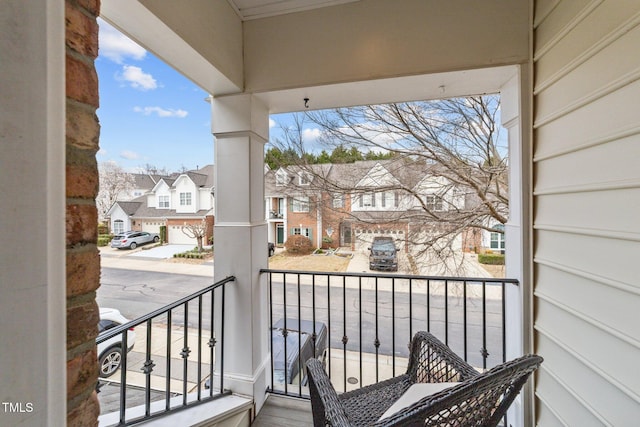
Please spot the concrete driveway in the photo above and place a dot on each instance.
(161, 252)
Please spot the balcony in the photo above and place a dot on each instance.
(359, 325)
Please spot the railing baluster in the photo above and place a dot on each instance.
(376, 343)
(464, 317)
(222, 328)
(299, 341)
(393, 326)
(270, 282)
(485, 352)
(199, 371)
(147, 369)
(123, 376)
(168, 364)
(185, 353)
(428, 305)
(446, 312)
(345, 339)
(360, 328)
(212, 342)
(504, 325)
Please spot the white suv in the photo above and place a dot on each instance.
(110, 351)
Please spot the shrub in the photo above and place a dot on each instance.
(491, 259)
(104, 239)
(297, 244)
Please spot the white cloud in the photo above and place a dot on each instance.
(272, 123)
(116, 46)
(137, 78)
(310, 135)
(161, 112)
(129, 155)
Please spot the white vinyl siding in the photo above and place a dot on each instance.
(587, 199)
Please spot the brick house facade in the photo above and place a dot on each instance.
(82, 257)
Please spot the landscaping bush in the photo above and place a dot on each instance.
(104, 239)
(491, 259)
(299, 245)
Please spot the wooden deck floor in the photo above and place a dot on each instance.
(279, 411)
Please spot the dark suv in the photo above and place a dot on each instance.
(383, 255)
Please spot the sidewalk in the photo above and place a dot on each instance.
(131, 260)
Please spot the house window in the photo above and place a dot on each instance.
(338, 201)
(281, 178)
(118, 226)
(434, 203)
(163, 202)
(306, 232)
(185, 199)
(497, 239)
(368, 200)
(300, 204)
(304, 178)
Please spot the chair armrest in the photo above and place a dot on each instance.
(430, 361)
(325, 404)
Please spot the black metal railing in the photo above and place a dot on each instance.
(172, 380)
(370, 320)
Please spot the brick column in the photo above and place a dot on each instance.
(82, 257)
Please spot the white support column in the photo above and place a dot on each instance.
(517, 239)
(240, 124)
(33, 372)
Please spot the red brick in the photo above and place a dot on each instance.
(81, 31)
(85, 414)
(82, 81)
(83, 271)
(82, 127)
(91, 6)
(82, 224)
(82, 373)
(82, 181)
(82, 324)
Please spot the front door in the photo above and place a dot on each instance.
(345, 234)
(279, 234)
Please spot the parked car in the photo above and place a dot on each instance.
(110, 351)
(383, 254)
(300, 348)
(272, 248)
(133, 239)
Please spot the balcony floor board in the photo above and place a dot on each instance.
(284, 412)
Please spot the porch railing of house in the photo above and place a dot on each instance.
(370, 319)
(172, 381)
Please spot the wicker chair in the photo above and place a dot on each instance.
(478, 399)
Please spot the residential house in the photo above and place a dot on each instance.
(567, 72)
(173, 201)
(349, 204)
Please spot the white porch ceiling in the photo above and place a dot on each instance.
(254, 9)
(401, 89)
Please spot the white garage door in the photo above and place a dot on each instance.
(177, 237)
(151, 226)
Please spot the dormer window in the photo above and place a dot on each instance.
(281, 178)
(304, 178)
(163, 202)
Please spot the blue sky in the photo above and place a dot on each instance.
(149, 113)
